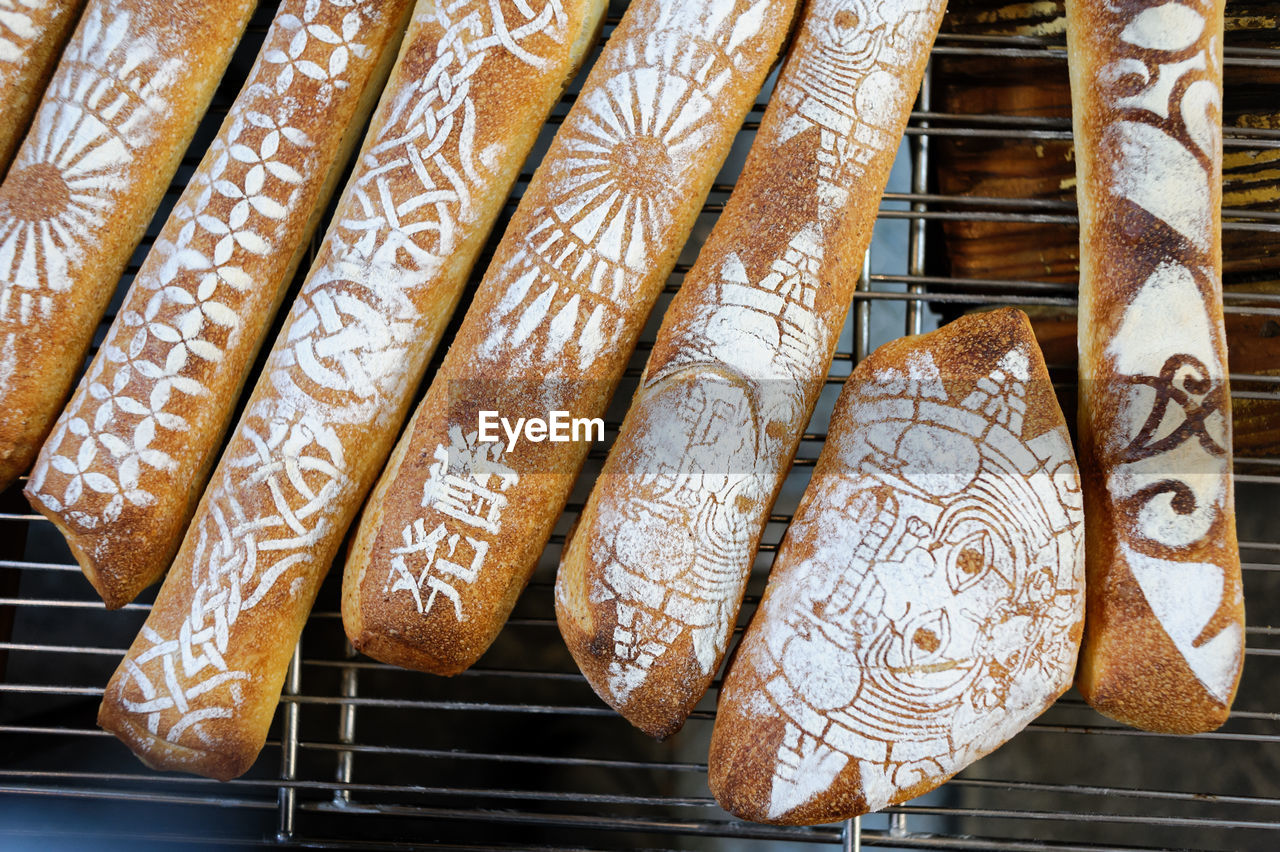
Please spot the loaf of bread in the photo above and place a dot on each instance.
(1164, 641)
(32, 34)
(125, 464)
(456, 524)
(650, 582)
(117, 117)
(927, 600)
(471, 89)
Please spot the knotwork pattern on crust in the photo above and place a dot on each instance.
(341, 367)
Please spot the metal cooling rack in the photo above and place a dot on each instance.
(518, 752)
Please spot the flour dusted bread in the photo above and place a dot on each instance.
(455, 526)
(652, 578)
(130, 88)
(32, 34)
(927, 600)
(1164, 640)
(146, 421)
(471, 89)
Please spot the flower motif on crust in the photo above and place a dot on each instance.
(294, 59)
(83, 477)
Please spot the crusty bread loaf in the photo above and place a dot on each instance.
(1164, 641)
(927, 601)
(470, 91)
(143, 428)
(652, 578)
(32, 34)
(115, 121)
(455, 526)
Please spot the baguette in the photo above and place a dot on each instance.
(928, 599)
(471, 89)
(455, 526)
(32, 34)
(115, 121)
(650, 582)
(1164, 641)
(143, 426)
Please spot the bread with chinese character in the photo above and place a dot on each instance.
(1164, 640)
(651, 580)
(471, 89)
(32, 34)
(927, 601)
(145, 424)
(124, 103)
(455, 526)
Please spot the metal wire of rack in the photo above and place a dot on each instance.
(518, 753)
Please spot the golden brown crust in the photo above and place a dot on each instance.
(649, 586)
(551, 328)
(158, 397)
(928, 599)
(451, 130)
(221, 742)
(33, 36)
(117, 117)
(1165, 637)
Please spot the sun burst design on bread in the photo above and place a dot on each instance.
(617, 171)
(17, 30)
(99, 109)
(624, 151)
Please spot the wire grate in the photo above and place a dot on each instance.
(519, 753)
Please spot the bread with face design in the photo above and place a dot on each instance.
(1164, 642)
(651, 580)
(927, 600)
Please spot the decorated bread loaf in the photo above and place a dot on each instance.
(32, 34)
(125, 464)
(131, 86)
(927, 600)
(456, 524)
(1164, 640)
(472, 87)
(652, 578)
